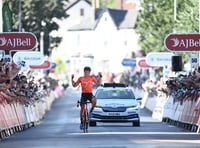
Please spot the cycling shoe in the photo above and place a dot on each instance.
(81, 126)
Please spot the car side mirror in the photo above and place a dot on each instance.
(139, 99)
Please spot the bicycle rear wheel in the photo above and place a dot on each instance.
(85, 123)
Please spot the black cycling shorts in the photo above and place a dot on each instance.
(85, 97)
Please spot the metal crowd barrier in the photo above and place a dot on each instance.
(184, 114)
(15, 116)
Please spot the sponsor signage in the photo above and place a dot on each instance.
(8, 58)
(53, 65)
(45, 65)
(159, 58)
(17, 41)
(2, 54)
(28, 58)
(194, 60)
(129, 62)
(141, 62)
(182, 42)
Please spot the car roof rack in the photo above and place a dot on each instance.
(114, 85)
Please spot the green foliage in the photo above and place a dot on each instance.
(34, 12)
(188, 18)
(156, 21)
(111, 4)
(107, 4)
(61, 67)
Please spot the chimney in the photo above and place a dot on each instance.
(122, 4)
(93, 10)
(93, 4)
(97, 3)
(119, 4)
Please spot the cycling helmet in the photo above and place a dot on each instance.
(87, 68)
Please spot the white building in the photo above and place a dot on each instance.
(77, 11)
(100, 39)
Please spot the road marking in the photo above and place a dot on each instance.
(142, 141)
(136, 133)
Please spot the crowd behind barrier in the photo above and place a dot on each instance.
(135, 79)
(24, 99)
(175, 101)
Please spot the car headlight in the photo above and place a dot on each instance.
(97, 109)
(133, 109)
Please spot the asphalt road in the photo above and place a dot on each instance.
(60, 129)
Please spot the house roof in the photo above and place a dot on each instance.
(86, 24)
(75, 2)
(123, 19)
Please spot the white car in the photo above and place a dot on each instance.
(116, 102)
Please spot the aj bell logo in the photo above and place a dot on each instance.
(15, 42)
(2, 41)
(185, 43)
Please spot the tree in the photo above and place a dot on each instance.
(111, 4)
(61, 67)
(38, 16)
(187, 17)
(156, 21)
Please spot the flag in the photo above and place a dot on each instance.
(7, 18)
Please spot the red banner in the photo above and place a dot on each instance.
(141, 62)
(44, 65)
(17, 41)
(182, 42)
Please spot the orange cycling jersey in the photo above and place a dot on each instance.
(86, 83)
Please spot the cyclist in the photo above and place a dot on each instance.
(86, 83)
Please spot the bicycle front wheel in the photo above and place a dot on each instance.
(85, 123)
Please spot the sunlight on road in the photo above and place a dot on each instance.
(146, 141)
(167, 141)
(135, 133)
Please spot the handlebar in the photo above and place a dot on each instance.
(78, 103)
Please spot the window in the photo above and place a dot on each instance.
(81, 12)
(105, 19)
(125, 43)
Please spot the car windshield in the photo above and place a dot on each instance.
(115, 94)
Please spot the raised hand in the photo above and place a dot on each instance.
(100, 74)
(72, 76)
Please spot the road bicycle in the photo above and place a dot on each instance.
(85, 118)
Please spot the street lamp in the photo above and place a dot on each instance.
(199, 16)
(20, 16)
(42, 38)
(175, 15)
(42, 42)
(174, 10)
(1, 19)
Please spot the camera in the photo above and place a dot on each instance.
(7, 81)
(7, 70)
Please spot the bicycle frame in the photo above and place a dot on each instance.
(85, 116)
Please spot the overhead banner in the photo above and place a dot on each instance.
(129, 62)
(182, 42)
(7, 18)
(45, 65)
(17, 41)
(159, 58)
(28, 58)
(141, 62)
